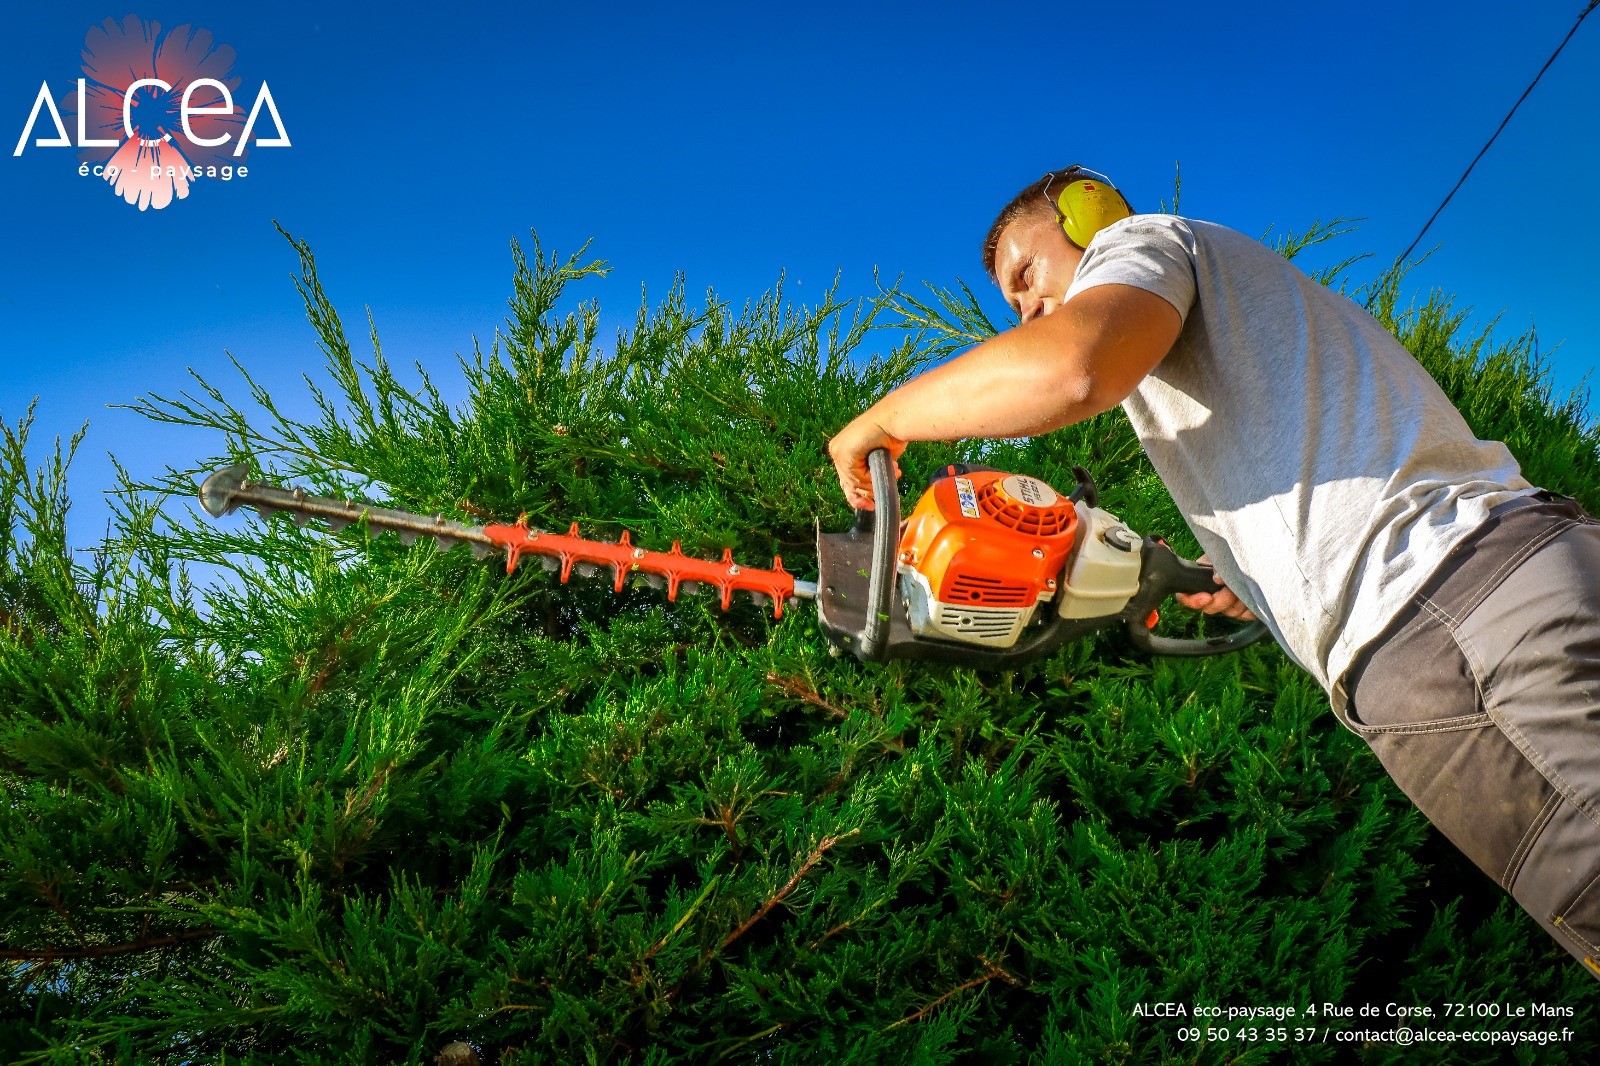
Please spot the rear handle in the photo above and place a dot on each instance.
(1163, 572)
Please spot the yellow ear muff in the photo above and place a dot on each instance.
(1087, 206)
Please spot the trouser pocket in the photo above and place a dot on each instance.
(1429, 728)
(1420, 698)
(1483, 703)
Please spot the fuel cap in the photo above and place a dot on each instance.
(1121, 538)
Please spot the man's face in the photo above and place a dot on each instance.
(1034, 263)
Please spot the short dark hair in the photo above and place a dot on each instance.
(1032, 198)
(1026, 202)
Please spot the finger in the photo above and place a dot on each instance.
(860, 497)
(851, 490)
(849, 471)
(1237, 609)
(862, 479)
(1222, 602)
(1207, 602)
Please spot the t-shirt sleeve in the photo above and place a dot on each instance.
(1150, 252)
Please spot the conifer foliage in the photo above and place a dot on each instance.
(278, 795)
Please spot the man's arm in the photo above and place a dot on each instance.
(1072, 364)
(1053, 371)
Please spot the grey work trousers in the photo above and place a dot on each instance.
(1482, 701)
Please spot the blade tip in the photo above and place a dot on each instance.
(217, 491)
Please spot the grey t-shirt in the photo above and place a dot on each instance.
(1320, 467)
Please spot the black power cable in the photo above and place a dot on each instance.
(1592, 5)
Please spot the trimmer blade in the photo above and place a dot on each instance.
(227, 489)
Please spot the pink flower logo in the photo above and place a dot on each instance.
(154, 166)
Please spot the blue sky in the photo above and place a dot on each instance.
(734, 142)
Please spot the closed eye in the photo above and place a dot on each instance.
(1019, 280)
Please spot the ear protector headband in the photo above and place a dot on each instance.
(1086, 204)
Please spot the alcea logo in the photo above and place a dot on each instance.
(155, 113)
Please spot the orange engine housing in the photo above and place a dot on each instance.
(988, 539)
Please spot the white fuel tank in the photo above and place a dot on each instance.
(1104, 573)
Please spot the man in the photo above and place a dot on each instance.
(1450, 609)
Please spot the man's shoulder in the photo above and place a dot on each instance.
(1157, 222)
(1148, 224)
(1191, 233)
(1166, 236)
(1218, 244)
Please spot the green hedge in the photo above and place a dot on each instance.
(346, 801)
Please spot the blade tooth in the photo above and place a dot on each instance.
(690, 587)
(300, 518)
(550, 563)
(481, 551)
(655, 581)
(408, 537)
(336, 525)
(760, 599)
(444, 541)
(266, 510)
(586, 569)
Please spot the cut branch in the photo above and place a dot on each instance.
(805, 692)
(100, 951)
(995, 970)
(811, 860)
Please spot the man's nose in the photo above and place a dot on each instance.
(1033, 307)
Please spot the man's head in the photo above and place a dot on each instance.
(1027, 252)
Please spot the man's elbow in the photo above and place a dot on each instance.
(1084, 395)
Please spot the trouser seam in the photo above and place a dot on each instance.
(1517, 737)
(1573, 933)
(1525, 845)
(1443, 725)
(1490, 583)
(1547, 771)
(1506, 567)
(1437, 612)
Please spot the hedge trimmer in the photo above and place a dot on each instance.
(990, 570)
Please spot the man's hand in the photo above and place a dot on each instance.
(849, 450)
(1222, 601)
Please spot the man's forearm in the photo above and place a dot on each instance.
(1019, 383)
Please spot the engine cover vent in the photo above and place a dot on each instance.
(986, 624)
(975, 588)
(928, 617)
